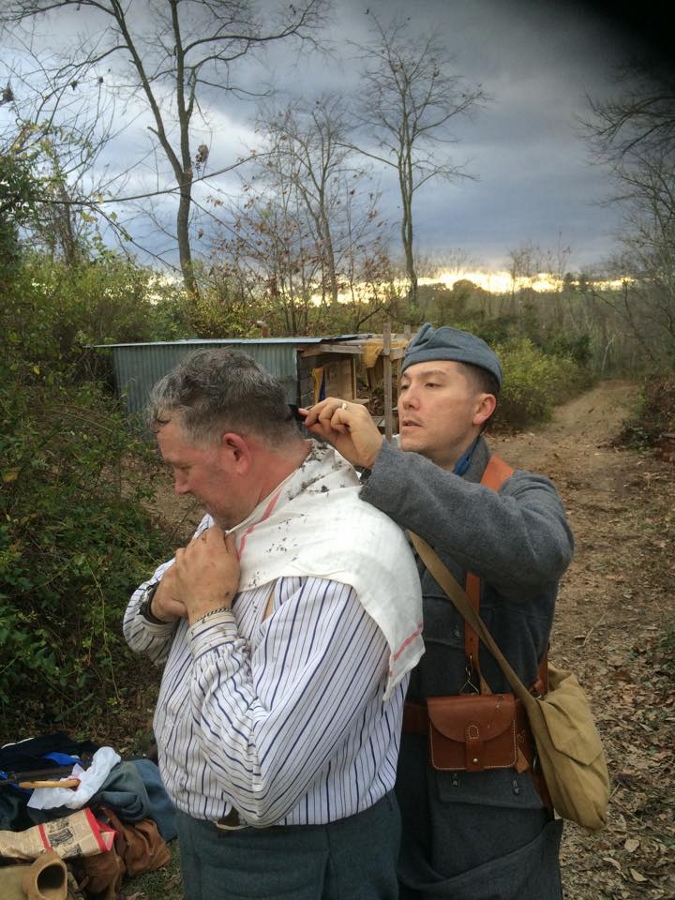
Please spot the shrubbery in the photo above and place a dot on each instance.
(534, 383)
(654, 416)
(74, 542)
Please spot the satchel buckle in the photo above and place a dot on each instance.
(475, 748)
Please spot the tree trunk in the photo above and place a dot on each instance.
(183, 236)
(407, 190)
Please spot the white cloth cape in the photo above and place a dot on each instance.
(314, 524)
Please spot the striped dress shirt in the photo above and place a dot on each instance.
(280, 716)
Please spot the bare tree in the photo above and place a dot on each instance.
(307, 146)
(308, 222)
(271, 247)
(524, 264)
(410, 99)
(172, 55)
(634, 134)
(648, 239)
(640, 118)
(46, 125)
(310, 151)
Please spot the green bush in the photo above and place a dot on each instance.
(75, 540)
(18, 194)
(576, 347)
(654, 415)
(53, 310)
(533, 383)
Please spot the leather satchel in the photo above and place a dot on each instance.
(139, 844)
(472, 732)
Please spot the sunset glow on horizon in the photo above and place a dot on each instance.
(502, 282)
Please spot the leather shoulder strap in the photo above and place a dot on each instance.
(499, 471)
(495, 474)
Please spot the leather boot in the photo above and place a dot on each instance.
(46, 878)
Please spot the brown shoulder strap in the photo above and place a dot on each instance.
(495, 474)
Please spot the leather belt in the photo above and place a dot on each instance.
(415, 718)
(233, 822)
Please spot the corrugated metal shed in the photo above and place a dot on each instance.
(137, 367)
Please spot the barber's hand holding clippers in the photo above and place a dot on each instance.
(349, 427)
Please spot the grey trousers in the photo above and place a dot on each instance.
(352, 859)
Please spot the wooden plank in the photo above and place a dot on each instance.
(387, 383)
(318, 349)
(389, 354)
(339, 379)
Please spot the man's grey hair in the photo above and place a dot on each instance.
(213, 391)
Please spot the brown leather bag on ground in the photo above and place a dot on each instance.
(139, 844)
(100, 876)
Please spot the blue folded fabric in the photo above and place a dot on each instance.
(162, 809)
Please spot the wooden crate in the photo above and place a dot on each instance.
(338, 379)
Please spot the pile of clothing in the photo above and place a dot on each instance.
(76, 820)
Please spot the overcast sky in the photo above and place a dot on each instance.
(537, 59)
(534, 181)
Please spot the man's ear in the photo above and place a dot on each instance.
(238, 448)
(485, 406)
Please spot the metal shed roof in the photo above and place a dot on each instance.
(267, 340)
(139, 366)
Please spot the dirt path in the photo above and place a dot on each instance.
(615, 605)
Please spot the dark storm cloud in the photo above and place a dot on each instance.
(538, 60)
(533, 182)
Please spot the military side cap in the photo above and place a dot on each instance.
(450, 343)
